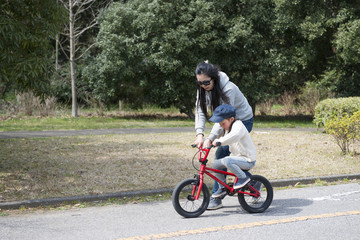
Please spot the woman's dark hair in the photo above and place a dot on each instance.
(216, 93)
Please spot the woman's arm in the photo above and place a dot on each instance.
(200, 118)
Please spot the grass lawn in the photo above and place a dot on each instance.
(136, 121)
(69, 123)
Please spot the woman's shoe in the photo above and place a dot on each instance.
(215, 203)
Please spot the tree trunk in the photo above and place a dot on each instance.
(57, 48)
(57, 53)
(72, 62)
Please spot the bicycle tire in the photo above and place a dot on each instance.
(256, 205)
(183, 202)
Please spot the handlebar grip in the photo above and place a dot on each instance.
(193, 145)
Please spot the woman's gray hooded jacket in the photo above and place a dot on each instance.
(237, 100)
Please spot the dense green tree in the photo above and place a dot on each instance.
(148, 50)
(27, 29)
(313, 43)
(248, 42)
(153, 47)
(343, 71)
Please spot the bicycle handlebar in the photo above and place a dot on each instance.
(195, 146)
(211, 146)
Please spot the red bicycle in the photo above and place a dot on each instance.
(191, 196)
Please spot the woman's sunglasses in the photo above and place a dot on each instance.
(205, 83)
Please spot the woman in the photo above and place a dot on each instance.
(214, 89)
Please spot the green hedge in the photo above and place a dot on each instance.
(329, 109)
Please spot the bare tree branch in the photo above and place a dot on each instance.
(79, 7)
(82, 9)
(91, 46)
(85, 29)
(63, 51)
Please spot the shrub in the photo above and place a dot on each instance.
(265, 107)
(345, 130)
(310, 95)
(8, 107)
(330, 109)
(28, 104)
(288, 102)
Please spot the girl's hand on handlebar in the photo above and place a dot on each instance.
(216, 143)
(207, 143)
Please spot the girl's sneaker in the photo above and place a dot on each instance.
(241, 182)
(219, 193)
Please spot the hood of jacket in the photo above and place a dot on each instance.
(224, 79)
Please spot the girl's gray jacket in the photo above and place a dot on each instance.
(237, 100)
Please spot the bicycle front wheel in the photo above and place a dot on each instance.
(258, 204)
(184, 201)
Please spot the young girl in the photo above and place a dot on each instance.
(243, 152)
(213, 89)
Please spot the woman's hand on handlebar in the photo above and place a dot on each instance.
(199, 141)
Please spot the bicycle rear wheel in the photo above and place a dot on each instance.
(184, 202)
(259, 204)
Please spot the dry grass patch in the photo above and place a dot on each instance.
(53, 167)
(68, 166)
(288, 154)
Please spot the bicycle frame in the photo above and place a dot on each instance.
(206, 170)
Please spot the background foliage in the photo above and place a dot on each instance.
(149, 49)
(26, 32)
(146, 50)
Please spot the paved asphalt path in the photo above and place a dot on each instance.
(328, 212)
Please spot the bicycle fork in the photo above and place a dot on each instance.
(198, 184)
